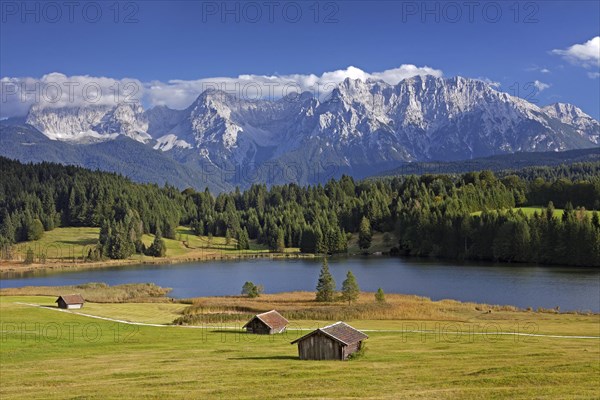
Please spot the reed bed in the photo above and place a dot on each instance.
(98, 292)
(302, 306)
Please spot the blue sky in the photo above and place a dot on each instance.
(526, 49)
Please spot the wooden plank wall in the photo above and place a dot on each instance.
(319, 347)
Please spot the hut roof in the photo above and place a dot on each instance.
(272, 319)
(340, 331)
(71, 299)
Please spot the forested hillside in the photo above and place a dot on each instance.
(431, 215)
(505, 163)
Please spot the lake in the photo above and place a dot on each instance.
(515, 284)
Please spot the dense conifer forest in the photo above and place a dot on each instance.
(458, 216)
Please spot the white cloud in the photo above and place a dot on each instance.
(540, 85)
(490, 82)
(393, 76)
(586, 55)
(58, 90)
(536, 68)
(180, 93)
(594, 75)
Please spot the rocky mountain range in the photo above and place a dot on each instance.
(361, 128)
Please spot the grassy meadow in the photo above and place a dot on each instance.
(378, 244)
(529, 211)
(66, 243)
(47, 354)
(68, 247)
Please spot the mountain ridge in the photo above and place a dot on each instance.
(360, 128)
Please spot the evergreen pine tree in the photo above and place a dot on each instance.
(7, 229)
(198, 227)
(364, 234)
(320, 242)
(158, 247)
(326, 284)
(568, 212)
(35, 229)
(308, 243)
(550, 211)
(595, 220)
(350, 289)
(121, 246)
(227, 237)
(280, 241)
(243, 241)
(380, 296)
(342, 242)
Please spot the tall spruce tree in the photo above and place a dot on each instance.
(243, 241)
(308, 241)
(350, 289)
(121, 246)
(158, 247)
(280, 241)
(7, 229)
(326, 284)
(364, 234)
(35, 229)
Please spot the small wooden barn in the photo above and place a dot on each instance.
(70, 301)
(333, 342)
(266, 323)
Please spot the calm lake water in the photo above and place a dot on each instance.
(520, 285)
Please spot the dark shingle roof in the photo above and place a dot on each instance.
(339, 331)
(272, 319)
(71, 299)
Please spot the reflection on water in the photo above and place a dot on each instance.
(516, 284)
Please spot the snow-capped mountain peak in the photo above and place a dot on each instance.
(569, 114)
(360, 124)
(90, 123)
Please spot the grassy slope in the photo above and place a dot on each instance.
(75, 241)
(377, 243)
(155, 362)
(62, 243)
(68, 246)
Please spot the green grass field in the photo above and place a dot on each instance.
(46, 354)
(62, 243)
(529, 211)
(73, 243)
(377, 243)
(557, 213)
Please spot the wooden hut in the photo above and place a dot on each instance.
(266, 323)
(70, 301)
(333, 342)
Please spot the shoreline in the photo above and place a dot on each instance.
(18, 267)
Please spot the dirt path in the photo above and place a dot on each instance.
(306, 329)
